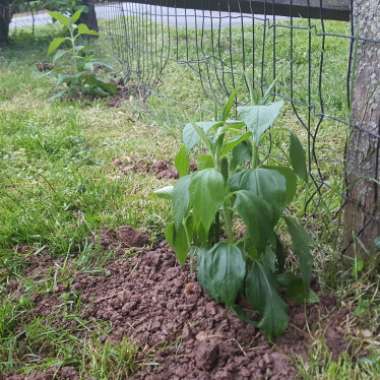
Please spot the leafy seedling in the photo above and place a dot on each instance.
(77, 73)
(233, 186)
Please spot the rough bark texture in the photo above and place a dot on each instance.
(362, 210)
(5, 19)
(89, 17)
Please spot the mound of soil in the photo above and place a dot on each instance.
(159, 168)
(122, 238)
(183, 333)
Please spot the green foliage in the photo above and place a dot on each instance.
(234, 184)
(110, 360)
(66, 7)
(221, 271)
(77, 72)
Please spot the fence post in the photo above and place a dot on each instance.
(362, 209)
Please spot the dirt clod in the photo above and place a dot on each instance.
(206, 355)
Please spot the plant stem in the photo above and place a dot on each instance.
(73, 46)
(255, 158)
(228, 221)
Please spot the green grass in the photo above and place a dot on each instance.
(59, 187)
(321, 366)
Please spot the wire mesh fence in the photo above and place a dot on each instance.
(304, 51)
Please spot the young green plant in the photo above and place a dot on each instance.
(229, 210)
(77, 72)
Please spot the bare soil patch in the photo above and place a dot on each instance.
(184, 334)
(181, 332)
(53, 373)
(122, 238)
(159, 168)
(127, 91)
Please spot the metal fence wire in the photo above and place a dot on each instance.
(301, 50)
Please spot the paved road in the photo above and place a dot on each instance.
(173, 16)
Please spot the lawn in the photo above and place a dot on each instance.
(77, 214)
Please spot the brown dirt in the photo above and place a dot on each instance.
(53, 373)
(159, 168)
(159, 305)
(36, 268)
(182, 333)
(127, 91)
(44, 66)
(122, 238)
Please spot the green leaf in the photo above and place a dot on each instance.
(291, 182)
(205, 161)
(258, 217)
(169, 234)
(259, 118)
(109, 87)
(165, 192)
(312, 297)
(76, 16)
(262, 294)
(90, 79)
(241, 154)
(62, 19)
(190, 135)
(301, 248)
(83, 29)
(204, 137)
(276, 186)
(235, 125)
(221, 271)
(177, 238)
(181, 199)
(206, 196)
(295, 288)
(231, 144)
(55, 44)
(357, 266)
(58, 55)
(182, 162)
(297, 157)
(229, 105)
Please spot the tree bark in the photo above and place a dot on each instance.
(362, 209)
(89, 17)
(5, 20)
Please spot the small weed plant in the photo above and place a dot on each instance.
(77, 72)
(229, 213)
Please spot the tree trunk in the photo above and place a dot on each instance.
(5, 20)
(89, 17)
(362, 209)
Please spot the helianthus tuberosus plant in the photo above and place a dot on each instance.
(232, 187)
(77, 72)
